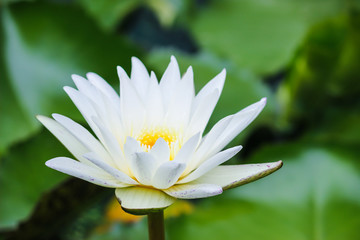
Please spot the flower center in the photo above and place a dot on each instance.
(149, 136)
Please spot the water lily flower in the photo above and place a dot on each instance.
(149, 142)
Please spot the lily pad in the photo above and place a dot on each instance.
(15, 123)
(259, 35)
(109, 13)
(310, 197)
(325, 71)
(24, 177)
(42, 45)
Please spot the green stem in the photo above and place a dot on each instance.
(156, 225)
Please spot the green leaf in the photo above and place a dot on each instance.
(341, 128)
(15, 123)
(260, 35)
(41, 54)
(325, 71)
(69, 211)
(24, 176)
(14, 1)
(241, 87)
(167, 10)
(315, 195)
(109, 13)
(42, 45)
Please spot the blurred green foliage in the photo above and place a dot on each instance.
(328, 62)
(310, 200)
(22, 177)
(304, 56)
(259, 35)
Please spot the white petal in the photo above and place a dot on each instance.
(84, 86)
(225, 130)
(209, 140)
(216, 83)
(131, 147)
(89, 90)
(161, 150)
(99, 105)
(202, 113)
(188, 78)
(154, 103)
(187, 150)
(85, 107)
(167, 174)
(137, 200)
(122, 177)
(191, 191)
(205, 102)
(139, 77)
(122, 77)
(211, 163)
(230, 176)
(85, 137)
(153, 78)
(65, 137)
(180, 103)
(172, 73)
(112, 146)
(143, 166)
(85, 172)
(132, 107)
(169, 80)
(111, 118)
(238, 123)
(104, 87)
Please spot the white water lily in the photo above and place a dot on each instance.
(149, 142)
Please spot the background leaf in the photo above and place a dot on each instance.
(259, 35)
(109, 13)
(15, 123)
(310, 197)
(24, 177)
(40, 42)
(325, 71)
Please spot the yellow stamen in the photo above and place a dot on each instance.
(149, 136)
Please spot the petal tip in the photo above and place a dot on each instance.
(49, 164)
(263, 100)
(223, 71)
(39, 117)
(120, 70)
(133, 58)
(76, 77)
(239, 148)
(56, 116)
(68, 89)
(91, 75)
(279, 164)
